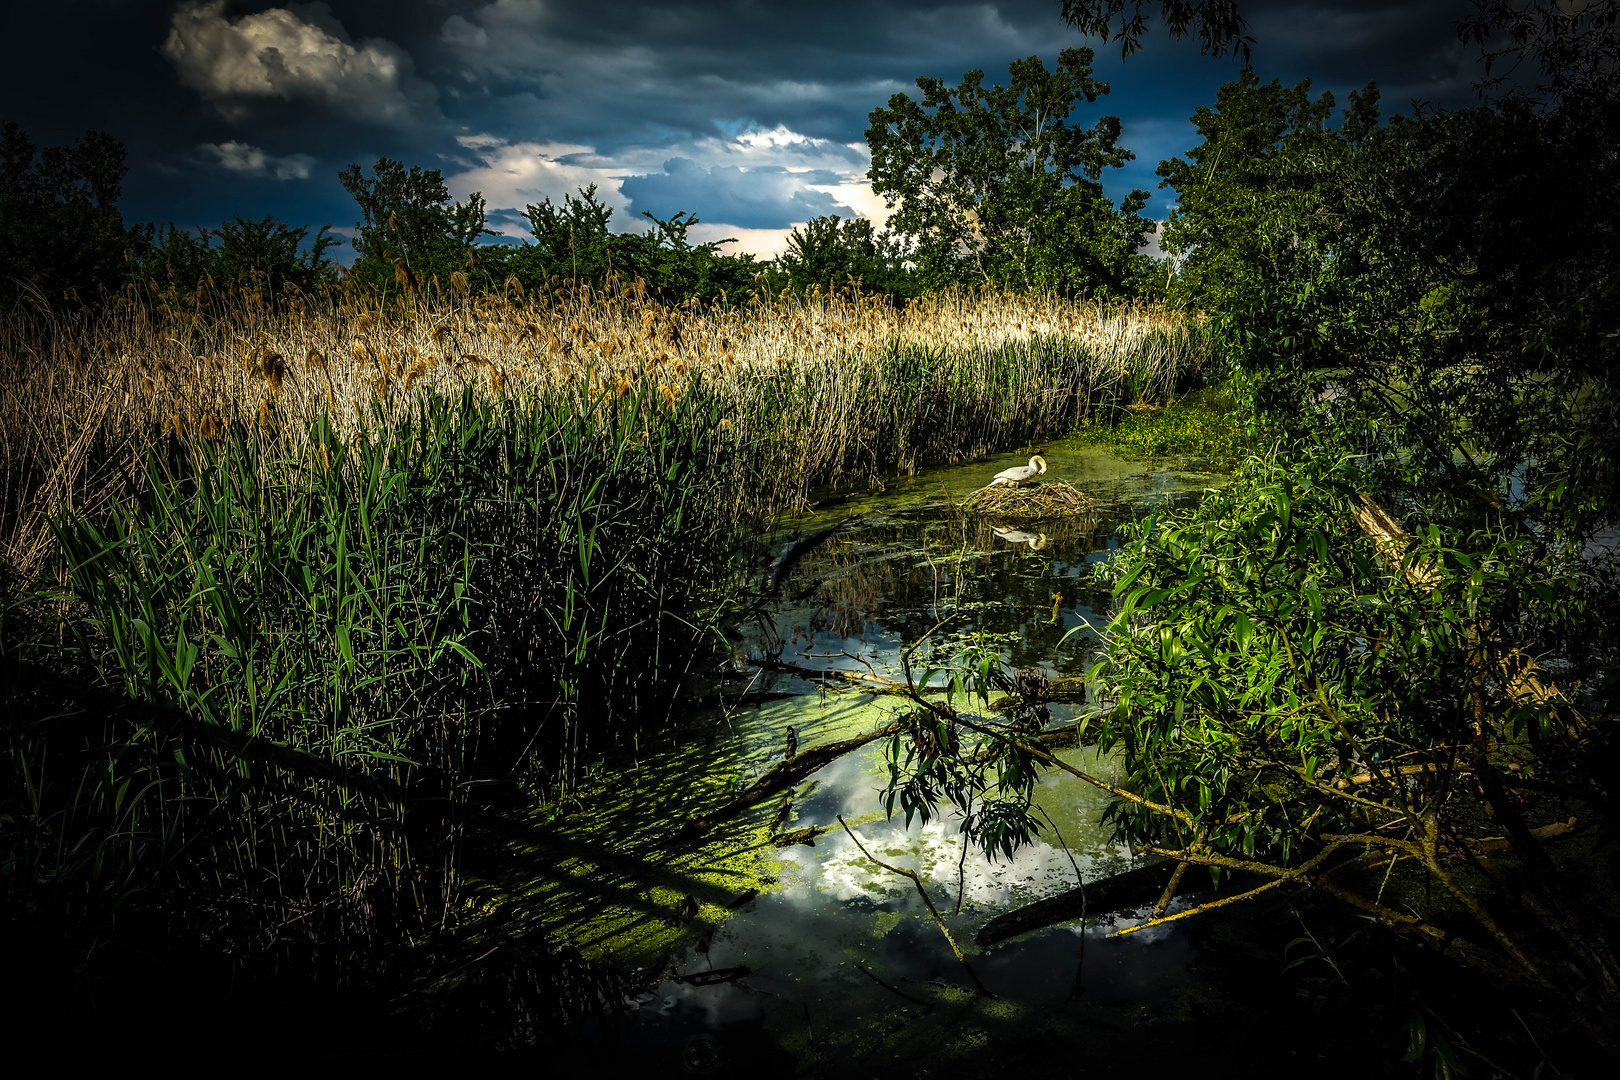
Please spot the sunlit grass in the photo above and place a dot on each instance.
(1204, 425)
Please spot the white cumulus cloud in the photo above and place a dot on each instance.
(247, 160)
(301, 55)
(753, 186)
(513, 175)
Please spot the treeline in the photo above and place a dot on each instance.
(63, 239)
(991, 187)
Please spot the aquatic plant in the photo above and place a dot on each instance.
(1205, 424)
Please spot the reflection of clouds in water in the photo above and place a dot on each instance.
(933, 850)
(835, 869)
(717, 1007)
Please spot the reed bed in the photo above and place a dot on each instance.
(271, 684)
(830, 388)
(285, 589)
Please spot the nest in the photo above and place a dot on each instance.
(1054, 500)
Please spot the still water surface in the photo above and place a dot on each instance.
(809, 958)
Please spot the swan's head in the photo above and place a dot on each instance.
(1038, 463)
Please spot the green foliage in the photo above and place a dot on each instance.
(250, 254)
(1205, 425)
(975, 766)
(1254, 199)
(287, 678)
(995, 185)
(1470, 319)
(1218, 23)
(411, 233)
(1264, 647)
(573, 246)
(61, 234)
(833, 252)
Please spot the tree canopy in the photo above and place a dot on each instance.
(61, 232)
(996, 184)
(410, 231)
(1255, 196)
(263, 253)
(832, 252)
(573, 244)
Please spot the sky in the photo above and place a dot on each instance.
(749, 114)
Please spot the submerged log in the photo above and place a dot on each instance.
(796, 549)
(1133, 888)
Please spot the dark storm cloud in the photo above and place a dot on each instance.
(253, 107)
(1410, 49)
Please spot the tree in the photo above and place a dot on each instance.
(411, 233)
(60, 230)
(250, 254)
(996, 185)
(1217, 22)
(832, 251)
(571, 241)
(1257, 196)
(574, 244)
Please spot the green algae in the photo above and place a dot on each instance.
(610, 879)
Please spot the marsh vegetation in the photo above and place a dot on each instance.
(355, 631)
(295, 593)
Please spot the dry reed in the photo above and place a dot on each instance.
(1033, 503)
(815, 389)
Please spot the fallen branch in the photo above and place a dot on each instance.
(1299, 873)
(795, 550)
(784, 775)
(1099, 897)
(1497, 845)
(878, 684)
(922, 892)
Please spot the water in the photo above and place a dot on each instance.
(810, 957)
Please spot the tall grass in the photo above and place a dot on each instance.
(295, 669)
(812, 391)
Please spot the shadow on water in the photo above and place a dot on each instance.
(730, 953)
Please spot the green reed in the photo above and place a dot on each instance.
(302, 667)
(858, 417)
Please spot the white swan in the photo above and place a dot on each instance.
(1020, 473)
